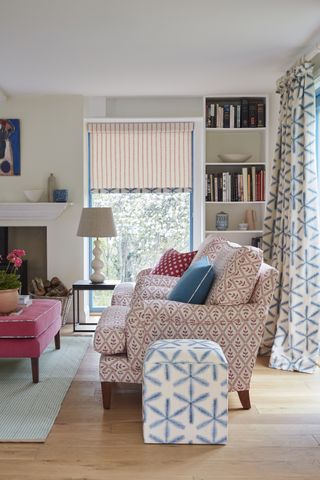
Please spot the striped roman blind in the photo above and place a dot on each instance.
(140, 157)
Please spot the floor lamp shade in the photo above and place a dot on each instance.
(97, 223)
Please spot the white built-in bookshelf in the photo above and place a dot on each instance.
(225, 182)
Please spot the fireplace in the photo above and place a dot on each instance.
(34, 241)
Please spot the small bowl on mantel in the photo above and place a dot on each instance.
(234, 157)
(33, 195)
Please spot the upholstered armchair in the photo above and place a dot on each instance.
(141, 314)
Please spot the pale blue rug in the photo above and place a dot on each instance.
(28, 410)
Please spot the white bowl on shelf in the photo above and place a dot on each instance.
(243, 226)
(234, 157)
(33, 195)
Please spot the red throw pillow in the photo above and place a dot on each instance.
(173, 263)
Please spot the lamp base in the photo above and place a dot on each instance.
(97, 264)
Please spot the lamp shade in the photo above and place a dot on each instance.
(96, 222)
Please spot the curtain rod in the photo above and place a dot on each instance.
(310, 56)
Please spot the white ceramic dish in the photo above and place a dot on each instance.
(33, 195)
(234, 157)
(243, 226)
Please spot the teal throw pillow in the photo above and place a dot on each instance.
(195, 283)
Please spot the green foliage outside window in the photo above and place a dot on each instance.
(147, 225)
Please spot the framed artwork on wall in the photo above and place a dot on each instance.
(9, 147)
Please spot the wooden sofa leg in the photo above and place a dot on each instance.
(106, 389)
(245, 399)
(57, 341)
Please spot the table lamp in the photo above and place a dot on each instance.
(98, 223)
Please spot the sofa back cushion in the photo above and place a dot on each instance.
(237, 270)
(210, 248)
(173, 263)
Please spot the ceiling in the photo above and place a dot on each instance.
(151, 47)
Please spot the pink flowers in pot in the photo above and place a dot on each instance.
(9, 278)
(14, 257)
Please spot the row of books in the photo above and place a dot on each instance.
(247, 186)
(256, 242)
(244, 113)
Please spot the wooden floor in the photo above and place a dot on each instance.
(279, 438)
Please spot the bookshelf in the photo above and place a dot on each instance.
(235, 125)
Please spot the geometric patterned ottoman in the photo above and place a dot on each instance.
(185, 392)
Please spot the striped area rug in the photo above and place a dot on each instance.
(28, 410)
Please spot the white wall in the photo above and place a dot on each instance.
(51, 142)
(143, 107)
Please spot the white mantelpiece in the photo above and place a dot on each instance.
(31, 211)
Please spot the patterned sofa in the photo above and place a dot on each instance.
(140, 314)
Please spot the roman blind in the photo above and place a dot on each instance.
(137, 157)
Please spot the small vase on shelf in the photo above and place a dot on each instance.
(51, 187)
(222, 221)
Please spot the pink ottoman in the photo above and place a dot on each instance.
(28, 334)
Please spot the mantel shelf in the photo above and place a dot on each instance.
(28, 211)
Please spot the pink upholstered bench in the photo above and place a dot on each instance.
(28, 334)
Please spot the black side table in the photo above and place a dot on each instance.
(82, 285)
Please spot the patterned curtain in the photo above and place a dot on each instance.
(291, 229)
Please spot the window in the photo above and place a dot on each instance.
(135, 169)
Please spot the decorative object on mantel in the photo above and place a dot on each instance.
(60, 195)
(51, 186)
(54, 289)
(251, 219)
(222, 221)
(9, 147)
(97, 222)
(33, 195)
(10, 282)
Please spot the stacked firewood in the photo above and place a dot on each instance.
(49, 288)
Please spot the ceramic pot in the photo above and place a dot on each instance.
(9, 300)
(222, 221)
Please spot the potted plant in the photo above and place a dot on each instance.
(10, 282)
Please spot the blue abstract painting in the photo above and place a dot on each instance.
(9, 147)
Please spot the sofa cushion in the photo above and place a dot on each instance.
(210, 248)
(195, 283)
(173, 263)
(109, 337)
(237, 273)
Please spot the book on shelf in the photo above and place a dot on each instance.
(25, 300)
(256, 242)
(246, 185)
(261, 121)
(235, 113)
(16, 312)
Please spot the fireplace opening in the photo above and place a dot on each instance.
(34, 241)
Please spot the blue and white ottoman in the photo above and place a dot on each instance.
(185, 392)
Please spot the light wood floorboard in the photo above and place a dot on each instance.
(278, 439)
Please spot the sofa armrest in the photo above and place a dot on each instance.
(232, 326)
(149, 287)
(143, 273)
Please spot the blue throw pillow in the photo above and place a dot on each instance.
(195, 283)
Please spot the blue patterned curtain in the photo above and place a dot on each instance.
(291, 229)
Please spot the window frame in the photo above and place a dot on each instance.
(93, 309)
